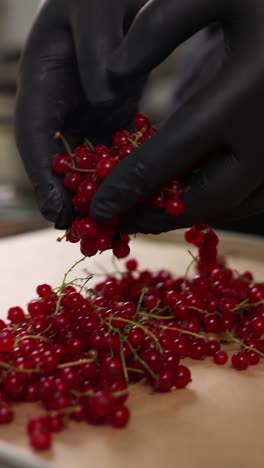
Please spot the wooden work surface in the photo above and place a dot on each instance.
(216, 423)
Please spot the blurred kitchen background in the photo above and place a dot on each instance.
(18, 211)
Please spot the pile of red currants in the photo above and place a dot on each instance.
(79, 352)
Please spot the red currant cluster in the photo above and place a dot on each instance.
(86, 167)
(203, 237)
(80, 351)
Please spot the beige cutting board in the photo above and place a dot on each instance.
(216, 423)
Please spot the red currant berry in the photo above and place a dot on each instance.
(60, 164)
(240, 360)
(72, 181)
(174, 207)
(16, 315)
(165, 381)
(6, 341)
(141, 122)
(36, 308)
(44, 291)
(87, 190)
(182, 377)
(131, 265)
(193, 236)
(120, 417)
(40, 441)
(220, 357)
(124, 151)
(121, 250)
(6, 414)
(105, 166)
(120, 138)
(253, 357)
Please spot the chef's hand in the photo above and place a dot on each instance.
(227, 112)
(64, 86)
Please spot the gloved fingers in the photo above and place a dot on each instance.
(218, 189)
(132, 9)
(144, 219)
(253, 205)
(159, 27)
(175, 150)
(96, 35)
(37, 146)
(43, 101)
(202, 58)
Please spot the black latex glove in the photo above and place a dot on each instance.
(64, 86)
(202, 57)
(227, 112)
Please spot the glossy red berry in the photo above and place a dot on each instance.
(253, 357)
(120, 417)
(121, 250)
(174, 207)
(40, 441)
(72, 181)
(193, 236)
(182, 377)
(6, 341)
(88, 229)
(103, 404)
(55, 423)
(240, 360)
(257, 327)
(16, 315)
(120, 138)
(40, 424)
(141, 122)
(105, 166)
(131, 265)
(112, 369)
(165, 381)
(60, 164)
(220, 357)
(37, 308)
(44, 291)
(124, 151)
(6, 414)
(86, 191)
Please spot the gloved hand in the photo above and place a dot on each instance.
(64, 86)
(226, 113)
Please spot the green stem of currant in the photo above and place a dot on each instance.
(31, 337)
(157, 317)
(236, 340)
(88, 143)
(122, 356)
(146, 331)
(141, 361)
(64, 284)
(60, 136)
(5, 365)
(78, 169)
(140, 300)
(180, 330)
(80, 362)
